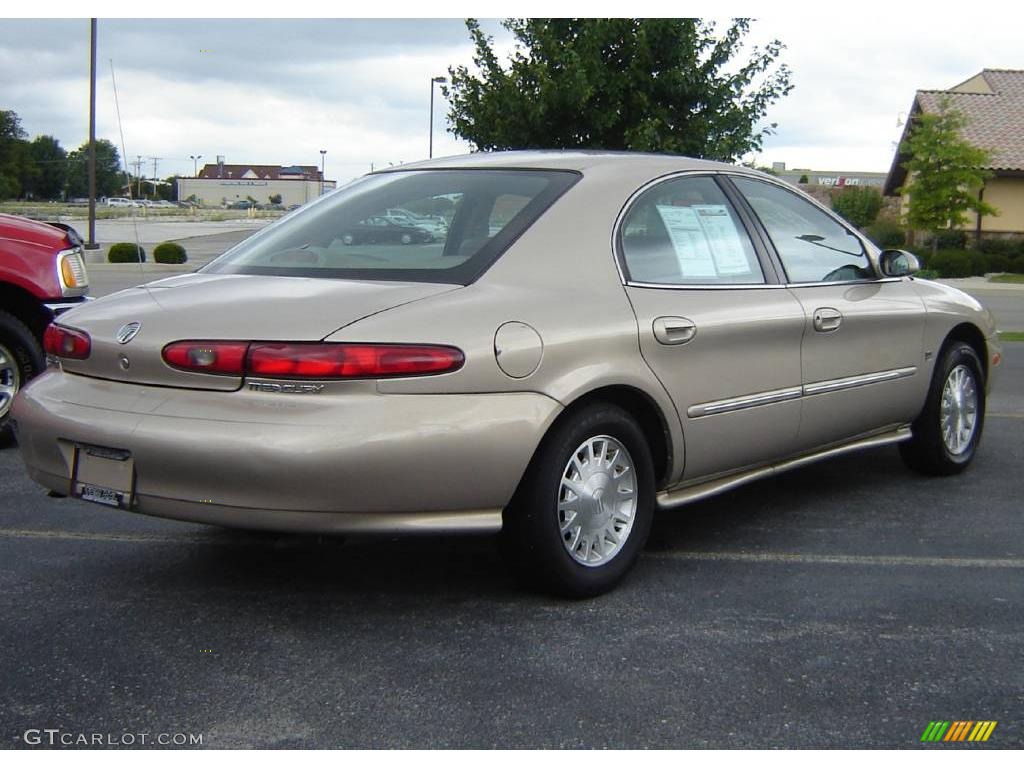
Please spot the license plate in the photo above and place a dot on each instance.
(104, 475)
(101, 495)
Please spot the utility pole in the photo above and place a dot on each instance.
(154, 159)
(138, 177)
(92, 244)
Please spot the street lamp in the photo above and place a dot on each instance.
(195, 165)
(323, 155)
(432, 81)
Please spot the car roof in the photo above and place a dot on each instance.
(571, 160)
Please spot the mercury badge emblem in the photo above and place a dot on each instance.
(127, 332)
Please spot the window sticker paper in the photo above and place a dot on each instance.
(689, 241)
(724, 239)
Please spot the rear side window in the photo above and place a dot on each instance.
(685, 232)
(812, 246)
(443, 226)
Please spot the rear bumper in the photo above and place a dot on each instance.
(356, 461)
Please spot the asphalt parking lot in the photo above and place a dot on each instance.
(846, 604)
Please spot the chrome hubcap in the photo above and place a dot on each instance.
(597, 500)
(959, 411)
(10, 379)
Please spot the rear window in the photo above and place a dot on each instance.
(442, 226)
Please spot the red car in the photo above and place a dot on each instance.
(42, 273)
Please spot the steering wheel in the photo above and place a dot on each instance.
(844, 273)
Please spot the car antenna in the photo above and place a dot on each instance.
(128, 178)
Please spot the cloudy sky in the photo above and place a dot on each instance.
(278, 91)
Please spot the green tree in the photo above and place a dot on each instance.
(50, 162)
(858, 205)
(668, 85)
(944, 173)
(15, 164)
(109, 176)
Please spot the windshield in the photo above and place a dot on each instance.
(424, 226)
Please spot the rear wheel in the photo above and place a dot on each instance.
(583, 511)
(21, 358)
(947, 432)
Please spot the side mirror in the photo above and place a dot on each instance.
(898, 263)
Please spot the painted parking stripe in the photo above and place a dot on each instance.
(814, 559)
(741, 557)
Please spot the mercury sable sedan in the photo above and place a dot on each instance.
(595, 336)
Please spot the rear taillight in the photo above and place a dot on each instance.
(351, 361)
(66, 342)
(312, 360)
(223, 357)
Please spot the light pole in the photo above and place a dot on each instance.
(323, 156)
(433, 80)
(195, 165)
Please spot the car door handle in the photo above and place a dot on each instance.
(674, 330)
(827, 319)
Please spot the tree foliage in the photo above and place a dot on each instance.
(667, 85)
(15, 164)
(50, 168)
(109, 176)
(944, 173)
(858, 205)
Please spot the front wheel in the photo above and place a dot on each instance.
(583, 510)
(946, 434)
(21, 358)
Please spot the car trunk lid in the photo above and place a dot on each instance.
(222, 307)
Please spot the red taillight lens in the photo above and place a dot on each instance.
(351, 361)
(223, 357)
(66, 342)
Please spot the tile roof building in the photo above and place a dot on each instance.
(992, 102)
(222, 184)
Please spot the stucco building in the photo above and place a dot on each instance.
(992, 101)
(219, 183)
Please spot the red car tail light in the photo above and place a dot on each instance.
(67, 342)
(223, 357)
(351, 361)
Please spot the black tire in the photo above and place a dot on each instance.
(531, 535)
(24, 359)
(927, 451)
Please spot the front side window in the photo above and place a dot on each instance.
(443, 226)
(812, 246)
(685, 232)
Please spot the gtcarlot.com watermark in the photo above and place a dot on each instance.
(55, 737)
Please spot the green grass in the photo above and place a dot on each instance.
(1007, 278)
(1011, 336)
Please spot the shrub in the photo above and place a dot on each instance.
(997, 262)
(886, 233)
(1012, 247)
(956, 262)
(126, 253)
(803, 179)
(169, 253)
(858, 205)
(951, 239)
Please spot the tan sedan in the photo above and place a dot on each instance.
(593, 336)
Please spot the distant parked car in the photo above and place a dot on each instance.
(241, 205)
(382, 229)
(118, 202)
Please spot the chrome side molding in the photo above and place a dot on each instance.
(677, 498)
(792, 393)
